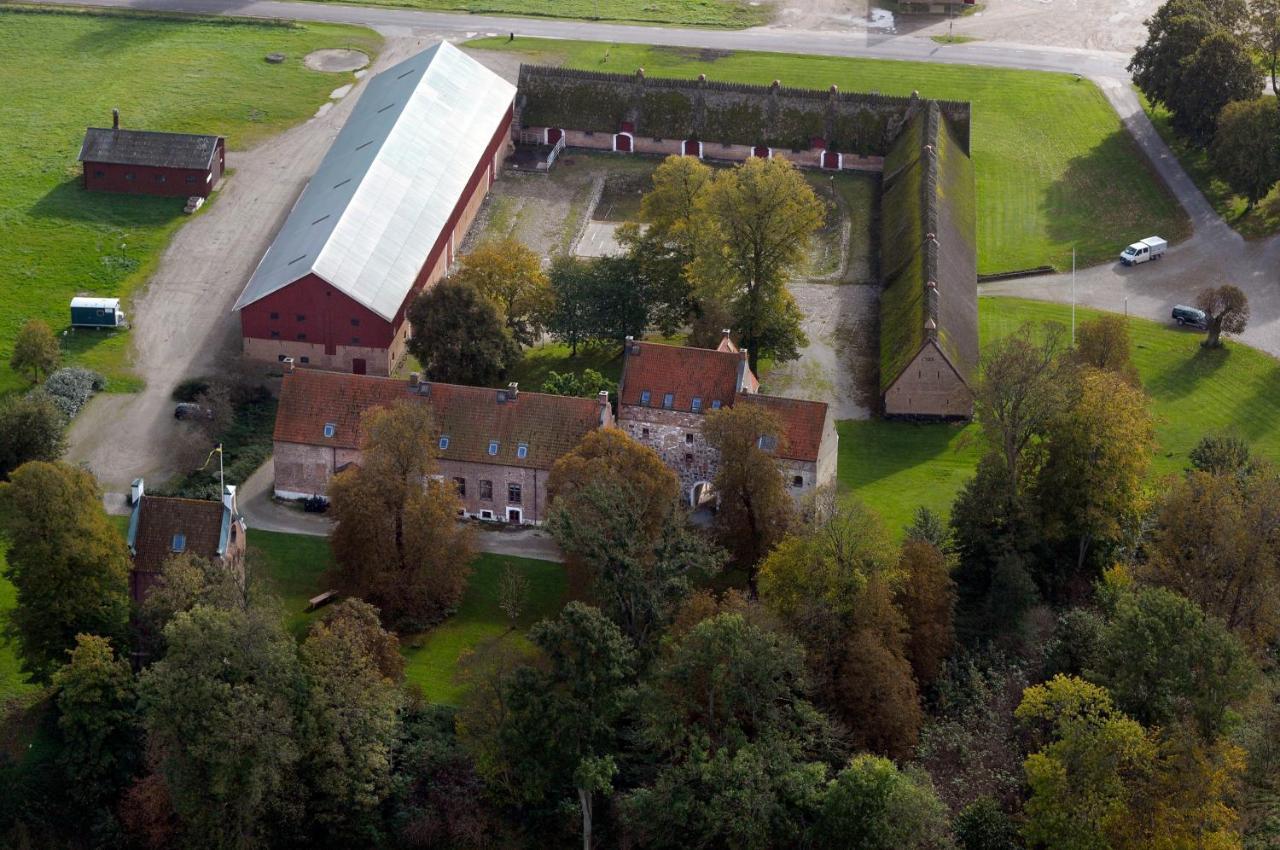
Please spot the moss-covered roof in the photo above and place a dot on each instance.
(928, 223)
(709, 111)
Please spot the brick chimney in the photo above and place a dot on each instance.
(513, 391)
(415, 378)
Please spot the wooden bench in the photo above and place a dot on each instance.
(322, 600)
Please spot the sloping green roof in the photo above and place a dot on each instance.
(928, 221)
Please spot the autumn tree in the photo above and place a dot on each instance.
(1214, 542)
(219, 711)
(1019, 393)
(97, 721)
(1090, 487)
(349, 723)
(753, 226)
(926, 598)
(1165, 662)
(737, 748)
(459, 336)
(1102, 343)
(31, 428)
(755, 509)
(872, 805)
(35, 350)
(68, 564)
(1245, 151)
(510, 275)
(185, 581)
(1227, 310)
(396, 540)
(832, 584)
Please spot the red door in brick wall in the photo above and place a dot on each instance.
(622, 143)
(830, 159)
(553, 135)
(358, 366)
(761, 151)
(692, 148)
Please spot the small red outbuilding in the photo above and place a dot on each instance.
(143, 162)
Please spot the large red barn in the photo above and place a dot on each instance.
(144, 162)
(382, 217)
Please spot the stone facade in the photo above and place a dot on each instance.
(715, 151)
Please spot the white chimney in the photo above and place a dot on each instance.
(136, 491)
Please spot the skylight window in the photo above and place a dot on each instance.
(644, 398)
(179, 542)
(444, 443)
(715, 404)
(522, 450)
(330, 429)
(493, 447)
(697, 404)
(669, 401)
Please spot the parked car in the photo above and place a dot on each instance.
(1185, 315)
(1151, 248)
(187, 410)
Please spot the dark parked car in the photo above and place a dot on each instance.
(1184, 315)
(187, 410)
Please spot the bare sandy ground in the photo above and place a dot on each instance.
(1114, 25)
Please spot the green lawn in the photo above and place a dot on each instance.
(66, 70)
(1262, 220)
(727, 14)
(1055, 168)
(541, 360)
(896, 466)
(291, 566)
(432, 658)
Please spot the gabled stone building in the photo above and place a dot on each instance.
(666, 390)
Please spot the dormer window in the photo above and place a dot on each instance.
(179, 542)
(644, 398)
(493, 448)
(522, 451)
(330, 429)
(715, 404)
(697, 404)
(444, 443)
(668, 401)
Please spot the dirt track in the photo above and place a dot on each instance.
(182, 323)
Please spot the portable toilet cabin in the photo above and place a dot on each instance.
(96, 313)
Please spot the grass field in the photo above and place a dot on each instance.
(896, 466)
(66, 70)
(726, 14)
(1055, 168)
(1263, 220)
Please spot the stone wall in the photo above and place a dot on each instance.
(713, 112)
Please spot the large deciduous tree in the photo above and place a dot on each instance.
(926, 597)
(1246, 148)
(31, 428)
(737, 747)
(396, 540)
(1227, 309)
(755, 509)
(35, 350)
(1103, 343)
(220, 711)
(1221, 70)
(872, 805)
(68, 564)
(597, 301)
(616, 508)
(98, 722)
(753, 225)
(509, 274)
(349, 721)
(1174, 33)
(1264, 28)
(1215, 543)
(459, 337)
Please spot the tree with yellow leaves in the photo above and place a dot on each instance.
(509, 274)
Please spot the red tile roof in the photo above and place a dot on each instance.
(471, 417)
(802, 422)
(161, 518)
(687, 373)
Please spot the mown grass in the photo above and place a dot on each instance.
(897, 466)
(1263, 220)
(1055, 167)
(727, 14)
(67, 70)
(432, 659)
(541, 360)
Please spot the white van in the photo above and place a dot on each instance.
(1139, 252)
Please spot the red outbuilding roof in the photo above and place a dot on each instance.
(471, 418)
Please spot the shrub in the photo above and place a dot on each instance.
(315, 504)
(190, 389)
(71, 387)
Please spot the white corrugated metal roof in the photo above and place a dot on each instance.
(96, 303)
(375, 207)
